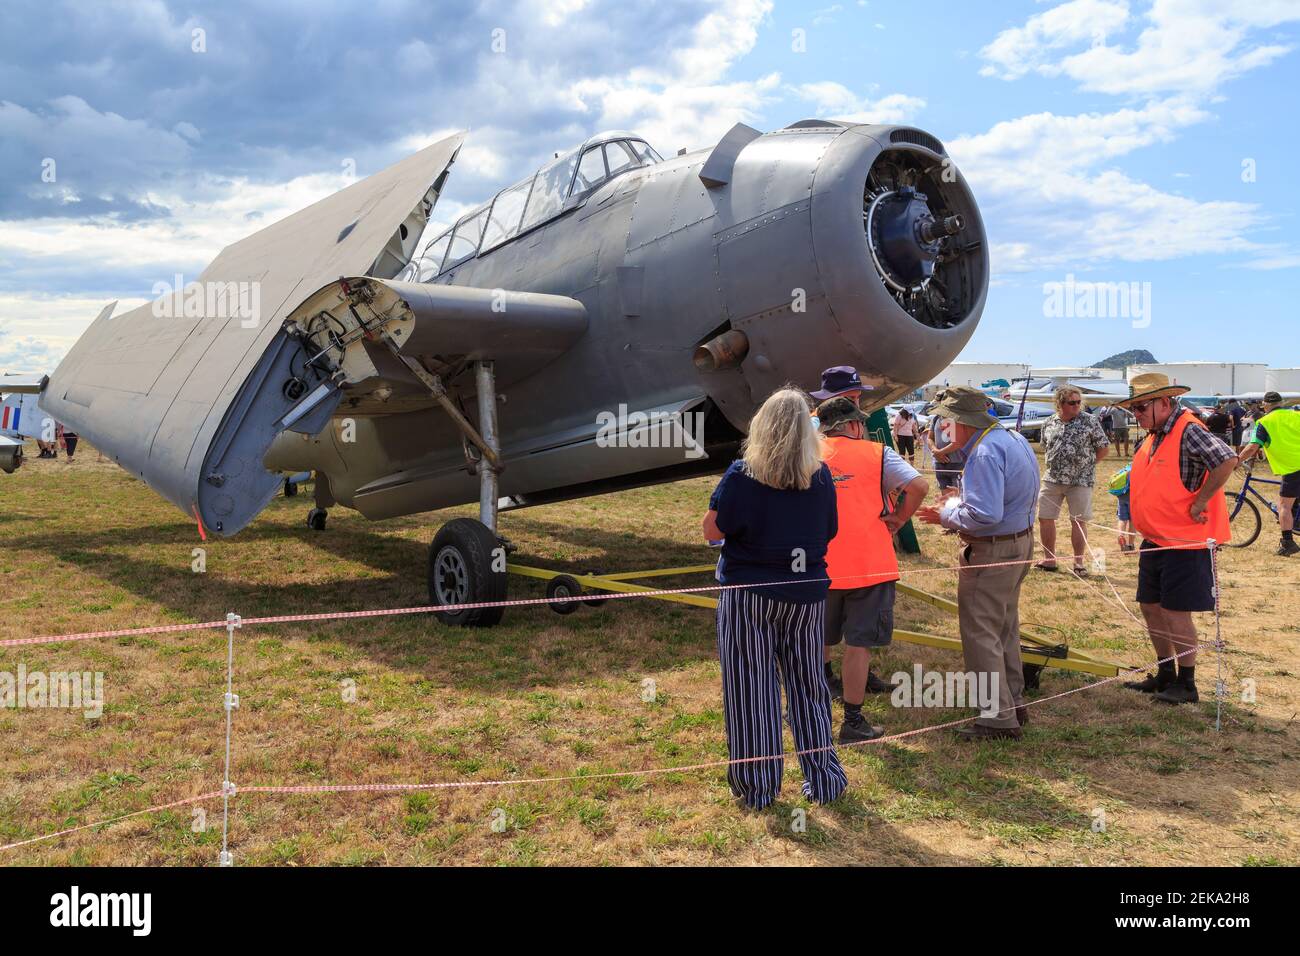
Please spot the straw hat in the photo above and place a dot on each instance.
(1151, 385)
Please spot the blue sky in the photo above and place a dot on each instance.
(1104, 139)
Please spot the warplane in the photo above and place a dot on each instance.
(612, 285)
(18, 393)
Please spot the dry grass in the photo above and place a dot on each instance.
(84, 546)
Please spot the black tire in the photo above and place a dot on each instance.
(290, 489)
(1245, 522)
(316, 519)
(563, 586)
(460, 572)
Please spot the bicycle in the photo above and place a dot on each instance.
(1244, 513)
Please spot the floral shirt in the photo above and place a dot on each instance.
(1072, 449)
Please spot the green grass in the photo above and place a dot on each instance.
(86, 547)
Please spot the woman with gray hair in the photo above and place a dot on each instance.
(775, 509)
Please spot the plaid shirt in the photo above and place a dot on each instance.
(1199, 453)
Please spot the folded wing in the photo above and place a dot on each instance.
(188, 392)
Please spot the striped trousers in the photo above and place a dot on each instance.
(761, 643)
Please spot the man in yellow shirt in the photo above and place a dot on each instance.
(1278, 434)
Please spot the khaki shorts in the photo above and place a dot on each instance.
(1052, 494)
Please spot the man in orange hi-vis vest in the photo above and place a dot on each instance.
(1177, 504)
(860, 559)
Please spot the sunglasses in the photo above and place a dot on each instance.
(1137, 408)
(1072, 403)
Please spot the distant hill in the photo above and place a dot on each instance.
(1121, 360)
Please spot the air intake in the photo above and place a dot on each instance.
(916, 138)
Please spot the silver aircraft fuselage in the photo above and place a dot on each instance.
(687, 289)
(662, 263)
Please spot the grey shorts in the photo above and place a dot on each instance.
(862, 617)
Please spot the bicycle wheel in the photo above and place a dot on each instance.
(1244, 516)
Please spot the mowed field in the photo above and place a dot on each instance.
(1102, 777)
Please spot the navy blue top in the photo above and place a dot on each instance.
(763, 527)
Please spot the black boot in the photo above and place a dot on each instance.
(1163, 677)
(877, 686)
(1183, 690)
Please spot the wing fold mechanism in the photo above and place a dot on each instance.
(396, 343)
(290, 388)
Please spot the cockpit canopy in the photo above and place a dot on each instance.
(558, 186)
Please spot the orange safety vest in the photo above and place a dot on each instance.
(862, 552)
(1159, 502)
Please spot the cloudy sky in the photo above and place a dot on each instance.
(1108, 140)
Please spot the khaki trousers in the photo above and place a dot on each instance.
(988, 609)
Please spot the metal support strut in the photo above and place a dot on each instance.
(485, 386)
(439, 393)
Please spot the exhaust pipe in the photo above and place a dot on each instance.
(723, 351)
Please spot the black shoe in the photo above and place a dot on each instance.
(862, 730)
(836, 687)
(1179, 693)
(1288, 548)
(980, 732)
(877, 686)
(1153, 684)
(1148, 685)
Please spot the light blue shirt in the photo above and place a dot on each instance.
(999, 486)
(894, 471)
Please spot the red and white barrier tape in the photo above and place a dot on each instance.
(567, 778)
(520, 602)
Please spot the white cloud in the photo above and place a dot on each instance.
(203, 224)
(1049, 182)
(93, 148)
(1017, 51)
(1268, 263)
(555, 12)
(1053, 176)
(836, 101)
(1187, 46)
(826, 15)
(718, 40)
(37, 330)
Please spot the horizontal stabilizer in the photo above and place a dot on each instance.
(22, 384)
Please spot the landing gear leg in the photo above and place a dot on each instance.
(485, 383)
(324, 499)
(467, 559)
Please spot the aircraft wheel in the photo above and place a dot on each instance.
(290, 488)
(316, 519)
(563, 586)
(460, 572)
